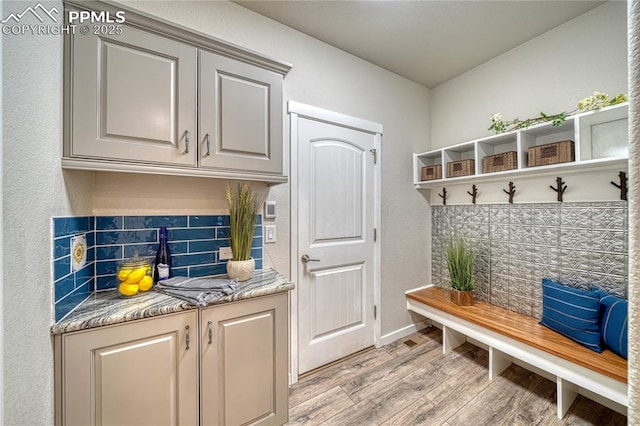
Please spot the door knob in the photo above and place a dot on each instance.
(305, 259)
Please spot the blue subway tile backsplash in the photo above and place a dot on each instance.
(194, 243)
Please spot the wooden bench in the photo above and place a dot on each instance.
(511, 336)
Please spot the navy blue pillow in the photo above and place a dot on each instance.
(572, 312)
(614, 324)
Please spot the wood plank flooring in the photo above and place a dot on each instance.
(418, 385)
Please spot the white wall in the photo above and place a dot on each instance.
(634, 214)
(549, 73)
(332, 79)
(34, 189)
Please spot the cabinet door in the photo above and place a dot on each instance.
(240, 110)
(244, 377)
(139, 373)
(134, 98)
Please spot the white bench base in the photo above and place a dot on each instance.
(571, 379)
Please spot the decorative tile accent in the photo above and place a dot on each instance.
(579, 244)
(71, 288)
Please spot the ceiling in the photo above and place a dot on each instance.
(428, 42)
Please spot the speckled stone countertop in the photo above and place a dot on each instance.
(107, 307)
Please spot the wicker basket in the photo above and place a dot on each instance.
(500, 162)
(431, 172)
(461, 168)
(552, 153)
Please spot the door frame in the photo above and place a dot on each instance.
(297, 110)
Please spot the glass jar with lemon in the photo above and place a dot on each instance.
(134, 276)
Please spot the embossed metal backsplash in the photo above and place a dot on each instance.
(579, 244)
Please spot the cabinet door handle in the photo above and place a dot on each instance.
(186, 142)
(187, 338)
(210, 325)
(206, 138)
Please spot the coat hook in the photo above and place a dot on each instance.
(473, 193)
(444, 196)
(622, 186)
(560, 188)
(511, 192)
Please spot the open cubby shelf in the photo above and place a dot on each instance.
(600, 138)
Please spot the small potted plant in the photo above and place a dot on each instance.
(244, 205)
(460, 260)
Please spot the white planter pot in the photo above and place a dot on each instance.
(241, 269)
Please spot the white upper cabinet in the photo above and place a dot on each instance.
(240, 113)
(153, 98)
(134, 98)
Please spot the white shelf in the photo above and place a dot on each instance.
(601, 141)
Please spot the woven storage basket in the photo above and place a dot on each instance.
(552, 153)
(461, 168)
(431, 172)
(500, 162)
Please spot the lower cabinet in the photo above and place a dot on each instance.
(158, 372)
(243, 365)
(139, 373)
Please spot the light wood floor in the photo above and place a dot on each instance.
(418, 385)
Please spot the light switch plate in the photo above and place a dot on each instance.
(269, 234)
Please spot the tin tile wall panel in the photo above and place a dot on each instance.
(580, 244)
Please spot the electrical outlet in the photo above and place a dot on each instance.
(226, 253)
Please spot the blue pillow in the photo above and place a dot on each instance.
(572, 312)
(614, 325)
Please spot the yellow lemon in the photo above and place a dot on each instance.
(145, 283)
(123, 274)
(128, 289)
(136, 275)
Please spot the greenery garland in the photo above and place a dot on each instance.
(596, 101)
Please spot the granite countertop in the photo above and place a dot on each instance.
(107, 307)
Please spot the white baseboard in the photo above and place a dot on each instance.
(402, 332)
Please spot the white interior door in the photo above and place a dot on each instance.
(336, 234)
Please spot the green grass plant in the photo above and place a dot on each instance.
(460, 260)
(244, 205)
